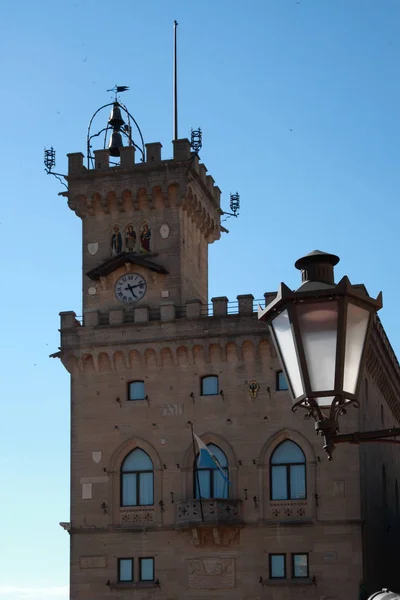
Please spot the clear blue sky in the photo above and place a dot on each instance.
(299, 105)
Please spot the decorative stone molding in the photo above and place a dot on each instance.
(211, 573)
(206, 536)
(136, 515)
(288, 509)
(126, 358)
(215, 511)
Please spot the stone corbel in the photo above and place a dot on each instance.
(135, 201)
(150, 200)
(195, 536)
(128, 267)
(166, 200)
(103, 281)
(105, 205)
(217, 539)
(120, 204)
(154, 277)
(89, 204)
(180, 199)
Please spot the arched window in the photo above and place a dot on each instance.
(137, 479)
(288, 472)
(209, 477)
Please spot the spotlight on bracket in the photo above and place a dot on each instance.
(234, 205)
(196, 140)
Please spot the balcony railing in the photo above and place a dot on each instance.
(215, 512)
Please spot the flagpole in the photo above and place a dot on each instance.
(197, 474)
(175, 85)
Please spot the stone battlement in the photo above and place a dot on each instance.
(245, 305)
(181, 154)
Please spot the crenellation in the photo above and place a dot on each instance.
(127, 157)
(245, 302)
(75, 163)
(153, 152)
(203, 173)
(220, 306)
(210, 183)
(193, 309)
(181, 150)
(101, 160)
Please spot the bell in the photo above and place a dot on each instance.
(116, 121)
(115, 143)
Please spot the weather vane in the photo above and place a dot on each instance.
(117, 89)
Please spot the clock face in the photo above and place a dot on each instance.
(130, 288)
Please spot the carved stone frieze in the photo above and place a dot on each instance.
(133, 515)
(212, 536)
(124, 357)
(292, 509)
(211, 573)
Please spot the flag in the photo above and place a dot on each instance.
(207, 459)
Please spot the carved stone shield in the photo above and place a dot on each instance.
(92, 248)
(96, 456)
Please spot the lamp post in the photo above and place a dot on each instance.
(321, 332)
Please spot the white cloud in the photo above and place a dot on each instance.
(30, 593)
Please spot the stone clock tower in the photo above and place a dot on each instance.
(149, 365)
(146, 225)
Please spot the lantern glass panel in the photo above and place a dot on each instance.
(318, 328)
(325, 401)
(284, 336)
(356, 329)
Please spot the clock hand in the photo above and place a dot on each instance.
(136, 285)
(130, 288)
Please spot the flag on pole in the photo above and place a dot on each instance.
(207, 459)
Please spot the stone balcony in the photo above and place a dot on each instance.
(216, 512)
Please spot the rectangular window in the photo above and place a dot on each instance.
(136, 390)
(202, 477)
(146, 489)
(146, 569)
(209, 385)
(129, 489)
(299, 566)
(281, 381)
(125, 569)
(277, 566)
(279, 487)
(297, 482)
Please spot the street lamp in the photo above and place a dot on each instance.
(321, 332)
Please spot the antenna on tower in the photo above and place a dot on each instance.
(50, 163)
(175, 86)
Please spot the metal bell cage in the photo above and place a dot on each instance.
(115, 131)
